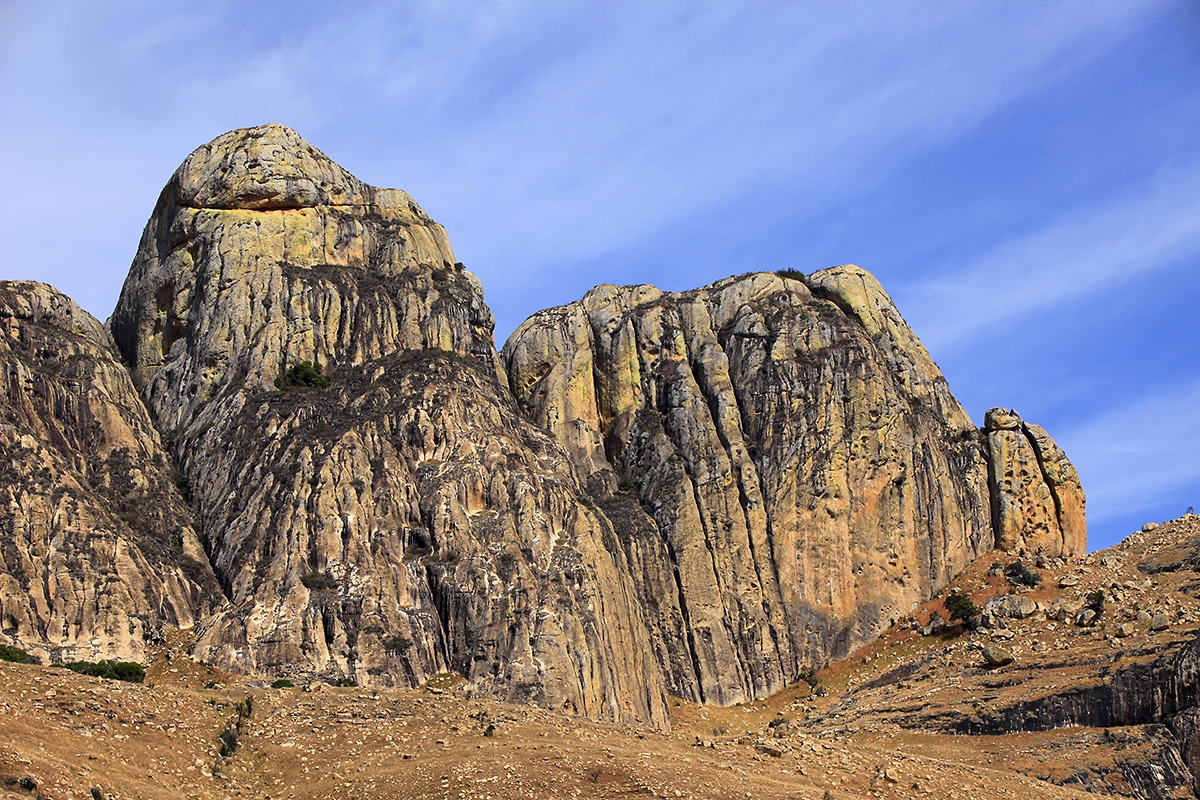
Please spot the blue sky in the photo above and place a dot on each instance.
(1023, 177)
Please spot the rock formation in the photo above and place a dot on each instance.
(799, 474)
(98, 549)
(405, 520)
(701, 494)
(1037, 501)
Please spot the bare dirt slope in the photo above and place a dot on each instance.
(911, 716)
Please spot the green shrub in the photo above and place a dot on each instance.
(16, 655)
(128, 671)
(808, 674)
(303, 375)
(961, 607)
(229, 741)
(344, 682)
(319, 582)
(1095, 601)
(282, 683)
(440, 274)
(1022, 575)
(794, 274)
(396, 644)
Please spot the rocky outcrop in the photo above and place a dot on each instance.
(702, 494)
(404, 520)
(1037, 500)
(97, 549)
(797, 473)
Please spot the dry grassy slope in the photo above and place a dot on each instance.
(874, 734)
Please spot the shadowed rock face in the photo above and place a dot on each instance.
(97, 548)
(802, 474)
(407, 519)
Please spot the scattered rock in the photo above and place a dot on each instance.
(1159, 622)
(997, 656)
(1126, 629)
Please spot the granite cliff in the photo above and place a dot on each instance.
(703, 494)
(98, 550)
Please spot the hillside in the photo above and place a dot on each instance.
(1064, 719)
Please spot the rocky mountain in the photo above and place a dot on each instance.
(798, 474)
(702, 495)
(98, 550)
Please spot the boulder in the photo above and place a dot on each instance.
(997, 656)
(1011, 606)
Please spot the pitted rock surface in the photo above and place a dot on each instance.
(1038, 505)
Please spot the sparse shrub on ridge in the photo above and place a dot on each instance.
(794, 274)
(16, 655)
(961, 607)
(303, 375)
(128, 671)
(1017, 572)
(318, 582)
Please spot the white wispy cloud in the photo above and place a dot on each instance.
(1132, 458)
(1085, 250)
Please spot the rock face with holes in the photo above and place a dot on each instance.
(699, 494)
(97, 548)
(405, 520)
(793, 471)
(1037, 501)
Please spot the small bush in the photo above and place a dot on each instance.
(808, 674)
(303, 375)
(775, 723)
(489, 731)
(396, 644)
(344, 682)
(440, 274)
(794, 274)
(961, 607)
(1018, 573)
(282, 683)
(319, 582)
(1095, 601)
(229, 741)
(16, 655)
(128, 671)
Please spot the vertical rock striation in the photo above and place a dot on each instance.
(798, 472)
(97, 548)
(700, 494)
(407, 518)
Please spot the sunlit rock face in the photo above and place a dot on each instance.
(1038, 504)
(406, 519)
(700, 494)
(795, 472)
(97, 549)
